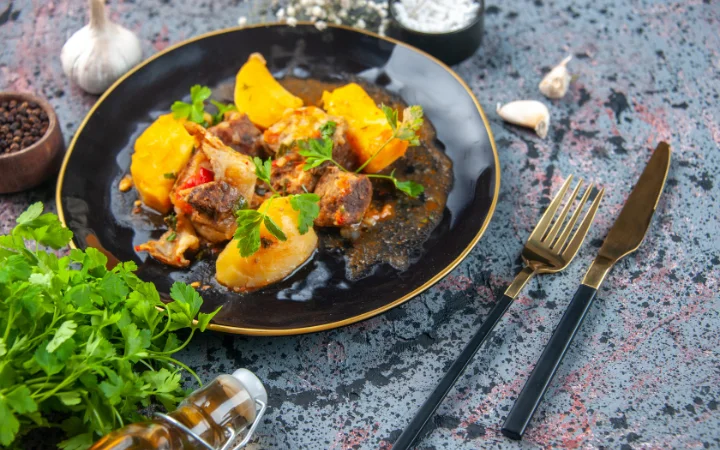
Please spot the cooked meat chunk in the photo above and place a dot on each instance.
(288, 176)
(170, 248)
(344, 198)
(197, 171)
(237, 132)
(214, 199)
(213, 210)
(227, 165)
(295, 124)
(344, 154)
(305, 123)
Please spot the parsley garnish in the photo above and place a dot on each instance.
(263, 169)
(171, 237)
(171, 221)
(169, 176)
(249, 221)
(222, 109)
(248, 230)
(327, 130)
(410, 188)
(317, 152)
(309, 209)
(80, 343)
(195, 110)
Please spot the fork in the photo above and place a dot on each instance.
(547, 250)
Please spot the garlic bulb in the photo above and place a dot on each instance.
(555, 83)
(100, 52)
(527, 113)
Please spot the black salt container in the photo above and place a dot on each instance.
(452, 47)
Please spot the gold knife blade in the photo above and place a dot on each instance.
(629, 229)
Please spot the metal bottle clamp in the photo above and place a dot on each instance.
(233, 433)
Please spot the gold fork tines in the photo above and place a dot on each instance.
(548, 250)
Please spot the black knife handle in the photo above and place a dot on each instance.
(426, 411)
(541, 376)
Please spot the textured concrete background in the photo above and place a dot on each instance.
(644, 370)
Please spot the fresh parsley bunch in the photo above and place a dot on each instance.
(82, 347)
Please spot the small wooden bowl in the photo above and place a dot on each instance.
(32, 165)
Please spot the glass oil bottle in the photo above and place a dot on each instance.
(209, 419)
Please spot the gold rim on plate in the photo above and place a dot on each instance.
(339, 323)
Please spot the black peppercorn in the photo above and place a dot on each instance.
(22, 124)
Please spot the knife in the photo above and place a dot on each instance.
(625, 236)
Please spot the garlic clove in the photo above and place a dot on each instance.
(555, 84)
(526, 113)
(100, 52)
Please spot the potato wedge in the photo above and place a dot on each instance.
(259, 95)
(368, 128)
(161, 152)
(275, 260)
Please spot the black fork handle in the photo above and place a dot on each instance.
(427, 410)
(548, 363)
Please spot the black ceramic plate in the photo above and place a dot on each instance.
(91, 206)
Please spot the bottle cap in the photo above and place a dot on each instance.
(252, 384)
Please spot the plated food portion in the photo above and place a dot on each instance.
(263, 181)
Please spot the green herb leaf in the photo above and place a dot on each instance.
(9, 425)
(171, 237)
(411, 123)
(65, 332)
(21, 400)
(69, 398)
(78, 442)
(199, 93)
(30, 214)
(316, 152)
(309, 208)
(181, 110)
(248, 231)
(274, 229)
(410, 188)
(204, 319)
(197, 113)
(327, 130)
(391, 115)
(195, 110)
(188, 297)
(263, 169)
(45, 229)
(169, 176)
(222, 109)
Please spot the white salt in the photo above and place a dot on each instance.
(435, 16)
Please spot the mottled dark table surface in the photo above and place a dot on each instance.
(644, 371)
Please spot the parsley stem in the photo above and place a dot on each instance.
(91, 407)
(176, 362)
(167, 324)
(11, 319)
(377, 152)
(376, 175)
(184, 344)
(340, 166)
